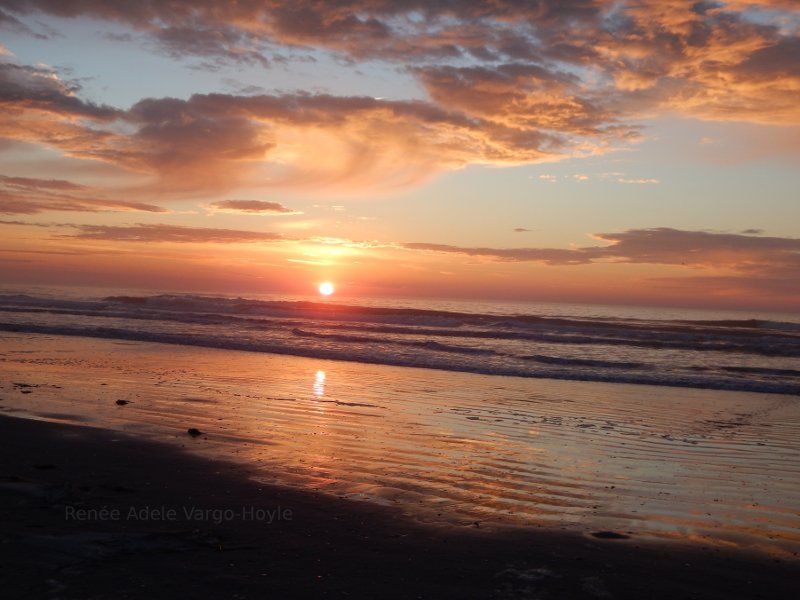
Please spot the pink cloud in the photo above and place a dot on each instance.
(256, 207)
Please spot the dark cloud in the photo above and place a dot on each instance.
(12, 204)
(11, 23)
(46, 184)
(700, 248)
(26, 224)
(24, 87)
(172, 233)
(188, 145)
(780, 58)
(27, 196)
(243, 89)
(550, 256)
(223, 43)
(253, 207)
(82, 252)
(520, 230)
(118, 37)
(664, 246)
(2, 222)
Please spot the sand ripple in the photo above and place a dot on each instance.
(715, 467)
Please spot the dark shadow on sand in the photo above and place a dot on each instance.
(115, 517)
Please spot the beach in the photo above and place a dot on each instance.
(349, 478)
(415, 300)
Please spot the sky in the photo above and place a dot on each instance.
(618, 152)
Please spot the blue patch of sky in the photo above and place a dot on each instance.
(118, 66)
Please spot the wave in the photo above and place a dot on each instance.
(431, 361)
(764, 371)
(766, 338)
(583, 362)
(754, 324)
(334, 311)
(755, 355)
(427, 344)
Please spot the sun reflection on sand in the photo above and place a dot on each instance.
(319, 383)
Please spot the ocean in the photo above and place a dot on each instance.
(664, 347)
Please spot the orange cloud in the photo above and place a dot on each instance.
(172, 233)
(26, 195)
(253, 207)
(508, 83)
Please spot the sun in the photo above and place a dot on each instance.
(326, 288)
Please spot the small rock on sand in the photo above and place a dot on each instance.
(123, 402)
(194, 432)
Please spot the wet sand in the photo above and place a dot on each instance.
(67, 530)
(399, 481)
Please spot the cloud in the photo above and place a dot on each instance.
(38, 106)
(551, 256)
(520, 230)
(570, 59)
(358, 28)
(40, 88)
(27, 196)
(31, 183)
(664, 246)
(11, 23)
(572, 32)
(162, 232)
(12, 204)
(172, 233)
(506, 83)
(519, 96)
(257, 207)
(638, 181)
(218, 141)
(5, 222)
(754, 255)
(222, 44)
(701, 248)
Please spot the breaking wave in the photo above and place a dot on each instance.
(747, 354)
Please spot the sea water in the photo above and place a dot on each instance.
(665, 347)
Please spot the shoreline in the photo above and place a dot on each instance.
(452, 449)
(172, 340)
(329, 547)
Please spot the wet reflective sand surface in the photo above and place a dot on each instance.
(721, 468)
